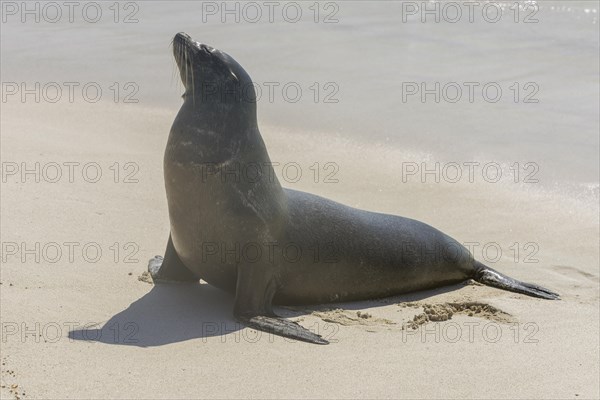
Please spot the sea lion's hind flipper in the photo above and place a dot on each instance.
(491, 277)
(170, 268)
(283, 327)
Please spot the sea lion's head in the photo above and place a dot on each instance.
(211, 76)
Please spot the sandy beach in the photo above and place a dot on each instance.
(83, 208)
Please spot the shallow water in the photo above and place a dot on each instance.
(363, 60)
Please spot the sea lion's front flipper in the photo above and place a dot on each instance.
(170, 268)
(283, 327)
(254, 293)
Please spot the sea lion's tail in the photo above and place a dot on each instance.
(490, 277)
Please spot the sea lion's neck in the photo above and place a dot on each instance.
(218, 133)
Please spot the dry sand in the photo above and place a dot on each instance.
(181, 341)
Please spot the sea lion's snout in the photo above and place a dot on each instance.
(190, 53)
(183, 40)
(182, 36)
(211, 73)
(191, 57)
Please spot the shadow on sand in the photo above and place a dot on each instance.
(168, 313)
(171, 313)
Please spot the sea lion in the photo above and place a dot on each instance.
(234, 226)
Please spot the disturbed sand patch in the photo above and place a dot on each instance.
(444, 311)
(14, 390)
(347, 318)
(146, 277)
